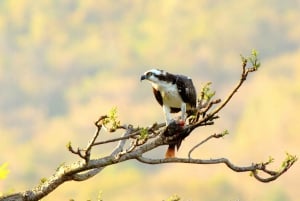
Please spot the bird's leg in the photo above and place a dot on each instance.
(168, 116)
(183, 111)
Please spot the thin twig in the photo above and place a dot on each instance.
(117, 139)
(86, 153)
(117, 152)
(254, 168)
(203, 141)
(159, 135)
(243, 78)
(152, 129)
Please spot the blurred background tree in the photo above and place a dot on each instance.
(65, 62)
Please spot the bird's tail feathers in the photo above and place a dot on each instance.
(170, 151)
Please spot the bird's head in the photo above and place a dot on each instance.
(154, 76)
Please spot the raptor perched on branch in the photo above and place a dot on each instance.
(174, 93)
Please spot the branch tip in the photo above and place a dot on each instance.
(135, 141)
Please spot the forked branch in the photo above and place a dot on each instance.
(136, 141)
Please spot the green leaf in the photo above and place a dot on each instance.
(112, 121)
(271, 159)
(206, 92)
(225, 132)
(253, 58)
(244, 59)
(43, 180)
(143, 133)
(69, 145)
(289, 159)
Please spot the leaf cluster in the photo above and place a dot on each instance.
(111, 122)
(206, 93)
(289, 159)
(143, 133)
(253, 59)
(144, 139)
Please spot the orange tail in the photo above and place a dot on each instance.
(170, 151)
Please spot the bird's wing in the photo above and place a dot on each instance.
(186, 90)
(159, 99)
(158, 96)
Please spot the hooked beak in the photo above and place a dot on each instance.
(143, 77)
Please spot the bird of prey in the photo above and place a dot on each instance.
(174, 93)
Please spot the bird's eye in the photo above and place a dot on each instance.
(149, 74)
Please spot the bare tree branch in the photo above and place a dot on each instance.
(254, 168)
(136, 141)
(204, 141)
(116, 152)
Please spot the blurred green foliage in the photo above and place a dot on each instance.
(4, 171)
(64, 63)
